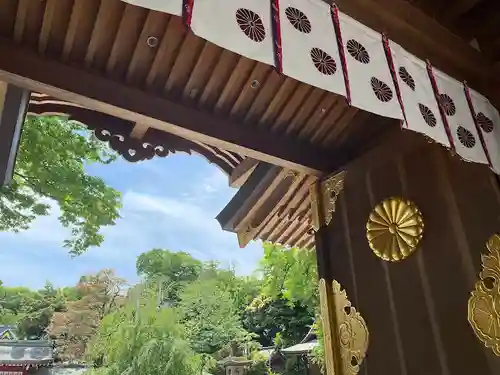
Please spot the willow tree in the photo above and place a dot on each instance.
(51, 169)
(141, 338)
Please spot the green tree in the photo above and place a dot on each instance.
(51, 165)
(32, 310)
(141, 339)
(269, 318)
(74, 327)
(173, 269)
(211, 316)
(37, 311)
(290, 273)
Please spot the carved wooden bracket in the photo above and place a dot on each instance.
(118, 134)
(323, 197)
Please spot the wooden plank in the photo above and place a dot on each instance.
(459, 7)
(243, 200)
(426, 38)
(111, 97)
(13, 110)
(241, 173)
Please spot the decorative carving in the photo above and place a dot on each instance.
(323, 207)
(394, 229)
(345, 330)
(352, 330)
(132, 150)
(117, 132)
(484, 303)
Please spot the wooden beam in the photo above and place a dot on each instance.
(13, 105)
(458, 8)
(104, 95)
(426, 38)
(241, 173)
(244, 199)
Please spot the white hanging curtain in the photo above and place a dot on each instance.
(166, 6)
(370, 80)
(488, 121)
(417, 95)
(458, 117)
(241, 26)
(309, 49)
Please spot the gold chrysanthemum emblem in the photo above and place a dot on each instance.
(394, 229)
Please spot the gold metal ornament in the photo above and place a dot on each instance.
(346, 332)
(353, 332)
(323, 206)
(394, 229)
(484, 303)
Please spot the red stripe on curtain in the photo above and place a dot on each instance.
(441, 111)
(276, 25)
(478, 128)
(334, 11)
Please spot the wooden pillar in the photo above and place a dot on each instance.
(14, 103)
(345, 332)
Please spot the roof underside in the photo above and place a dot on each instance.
(153, 54)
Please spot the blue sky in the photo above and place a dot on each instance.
(168, 203)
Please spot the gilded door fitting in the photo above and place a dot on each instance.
(484, 303)
(345, 330)
(394, 229)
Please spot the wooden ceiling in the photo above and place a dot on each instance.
(475, 21)
(146, 68)
(154, 52)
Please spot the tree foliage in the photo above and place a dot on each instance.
(141, 339)
(51, 165)
(269, 318)
(31, 310)
(184, 315)
(210, 314)
(173, 269)
(73, 328)
(290, 274)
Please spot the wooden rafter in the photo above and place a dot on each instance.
(116, 99)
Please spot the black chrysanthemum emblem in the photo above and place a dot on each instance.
(466, 137)
(484, 122)
(447, 104)
(298, 20)
(382, 91)
(323, 62)
(406, 77)
(357, 51)
(251, 24)
(427, 114)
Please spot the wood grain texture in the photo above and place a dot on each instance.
(416, 309)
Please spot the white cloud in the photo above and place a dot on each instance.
(179, 217)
